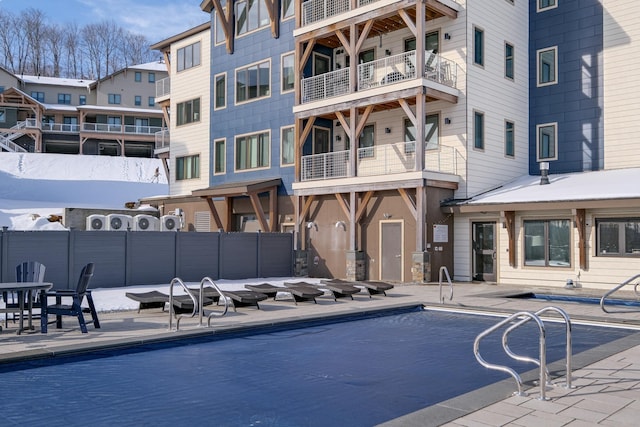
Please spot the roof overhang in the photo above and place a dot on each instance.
(233, 189)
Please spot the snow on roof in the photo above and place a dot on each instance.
(150, 66)
(123, 109)
(60, 107)
(56, 81)
(597, 185)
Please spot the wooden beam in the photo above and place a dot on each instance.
(582, 234)
(438, 7)
(273, 209)
(229, 205)
(411, 204)
(257, 208)
(362, 206)
(307, 130)
(343, 204)
(273, 10)
(408, 21)
(226, 17)
(214, 212)
(306, 53)
(306, 207)
(345, 42)
(343, 121)
(363, 120)
(510, 224)
(363, 37)
(407, 110)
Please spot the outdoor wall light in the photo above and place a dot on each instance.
(387, 130)
(338, 138)
(544, 173)
(311, 225)
(341, 224)
(447, 36)
(447, 121)
(387, 52)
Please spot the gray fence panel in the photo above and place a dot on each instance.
(106, 250)
(197, 256)
(151, 257)
(238, 255)
(275, 251)
(50, 248)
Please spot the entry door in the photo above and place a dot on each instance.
(391, 259)
(484, 251)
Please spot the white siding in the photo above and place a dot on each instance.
(621, 82)
(191, 139)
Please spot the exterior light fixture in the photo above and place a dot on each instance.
(544, 173)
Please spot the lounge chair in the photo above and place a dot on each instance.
(340, 289)
(75, 309)
(245, 298)
(376, 287)
(302, 291)
(156, 299)
(267, 289)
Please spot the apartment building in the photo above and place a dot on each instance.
(116, 115)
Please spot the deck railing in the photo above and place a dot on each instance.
(128, 129)
(162, 139)
(387, 70)
(379, 160)
(61, 127)
(163, 87)
(327, 85)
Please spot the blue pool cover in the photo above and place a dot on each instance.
(356, 373)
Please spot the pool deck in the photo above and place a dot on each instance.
(607, 380)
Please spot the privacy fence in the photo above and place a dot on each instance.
(128, 258)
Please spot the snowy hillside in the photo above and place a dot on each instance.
(36, 185)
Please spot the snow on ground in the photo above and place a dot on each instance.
(34, 186)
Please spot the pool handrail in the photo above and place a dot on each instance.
(213, 313)
(510, 371)
(568, 354)
(444, 271)
(618, 287)
(172, 309)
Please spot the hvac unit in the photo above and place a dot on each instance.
(146, 223)
(170, 223)
(96, 223)
(118, 222)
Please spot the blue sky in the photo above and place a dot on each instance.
(155, 19)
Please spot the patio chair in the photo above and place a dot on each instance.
(28, 271)
(77, 295)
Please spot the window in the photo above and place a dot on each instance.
(220, 37)
(250, 15)
(138, 75)
(287, 8)
(219, 153)
(546, 141)
(618, 237)
(70, 124)
(253, 82)
(547, 243)
(83, 100)
(114, 98)
(38, 96)
(431, 133)
(431, 42)
(188, 56)
(509, 141)
(547, 66)
(220, 89)
(366, 141)
(252, 151)
(546, 4)
(287, 72)
(187, 167)
(188, 112)
(478, 46)
(287, 146)
(138, 100)
(114, 124)
(152, 77)
(478, 130)
(152, 101)
(508, 61)
(64, 98)
(3, 115)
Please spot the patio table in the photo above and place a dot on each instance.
(29, 288)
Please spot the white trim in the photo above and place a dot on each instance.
(225, 156)
(244, 67)
(555, 65)
(386, 221)
(313, 139)
(215, 77)
(543, 9)
(555, 142)
(293, 55)
(282, 128)
(235, 141)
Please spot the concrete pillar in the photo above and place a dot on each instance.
(421, 267)
(301, 267)
(355, 265)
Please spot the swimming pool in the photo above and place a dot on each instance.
(346, 373)
(577, 299)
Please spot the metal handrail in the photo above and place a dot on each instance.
(213, 313)
(521, 358)
(445, 272)
(196, 305)
(621, 285)
(510, 371)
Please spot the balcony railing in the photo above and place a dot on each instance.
(378, 160)
(163, 87)
(381, 72)
(128, 129)
(162, 139)
(61, 127)
(327, 85)
(325, 166)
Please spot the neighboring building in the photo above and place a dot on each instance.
(116, 115)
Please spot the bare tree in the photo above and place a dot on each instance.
(55, 38)
(135, 49)
(7, 37)
(73, 52)
(92, 46)
(33, 22)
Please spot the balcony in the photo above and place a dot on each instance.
(121, 129)
(382, 72)
(163, 88)
(378, 160)
(162, 140)
(61, 127)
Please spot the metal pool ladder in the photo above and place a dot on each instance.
(444, 272)
(197, 303)
(516, 320)
(621, 285)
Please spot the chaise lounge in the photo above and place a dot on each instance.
(340, 289)
(302, 291)
(156, 299)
